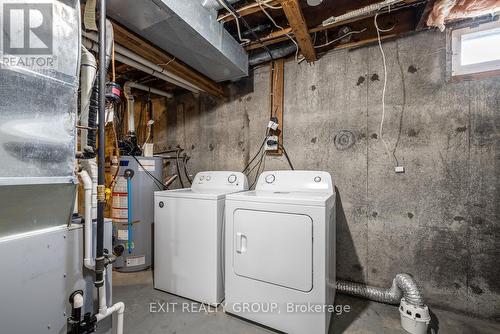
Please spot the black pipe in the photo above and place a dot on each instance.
(277, 52)
(101, 197)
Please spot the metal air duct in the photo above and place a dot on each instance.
(37, 120)
(187, 30)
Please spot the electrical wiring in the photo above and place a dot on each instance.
(266, 3)
(287, 157)
(262, 159)
(339, 38)
(261, 4)
(178, 167)
(261, 152)
(255, 156)
(236, 19)
(184, 162)
(385, 79)
(230, 8)
(157, 182)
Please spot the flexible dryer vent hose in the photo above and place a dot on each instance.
(414, 313)
(403, 286)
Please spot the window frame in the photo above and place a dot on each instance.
(458, 70)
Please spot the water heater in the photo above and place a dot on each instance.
(133, 211)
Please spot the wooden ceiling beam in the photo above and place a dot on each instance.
(246, 10)
(298, 24)
(280, 35)
(152, 53)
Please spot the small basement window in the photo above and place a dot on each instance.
(476, 50)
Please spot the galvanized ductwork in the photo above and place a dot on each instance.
(194, 34)
(214, 4)
(37, 124)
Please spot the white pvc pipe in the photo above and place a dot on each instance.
(130, 109)
(91, 45)
(88, 260)
(78, 301)
(105, 311)
(136, 85)
(90, 166)
(120, 50)
(127, 88)
(119, 309)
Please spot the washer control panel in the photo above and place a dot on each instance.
(287, 181)
(220, 180)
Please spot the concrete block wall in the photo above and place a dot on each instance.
(439, 221)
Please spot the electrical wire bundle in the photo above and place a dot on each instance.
(238, 17)
(157, 182)
(258, 161)
(250, 167)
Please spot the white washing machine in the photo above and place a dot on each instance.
(280, 252)
(188, 236)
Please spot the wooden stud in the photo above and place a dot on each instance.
(297, 22)
(277, 81)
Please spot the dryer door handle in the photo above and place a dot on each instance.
(241, 243)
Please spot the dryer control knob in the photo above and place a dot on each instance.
(317, 179)
(270, 178)
(208, 178)
(232, 178)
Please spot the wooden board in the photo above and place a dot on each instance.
(246, 10)
(152, 53)
(297, 22)
(399, 14)
(277, 95)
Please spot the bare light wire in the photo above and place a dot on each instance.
(379, 30)
(261, 5)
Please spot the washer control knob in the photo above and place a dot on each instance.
(208, 178)
(270, 178)
(161, 204)
(232, 178)
(202, 177)
(317, 179)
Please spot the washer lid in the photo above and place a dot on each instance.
(283, 197)
(213, 194)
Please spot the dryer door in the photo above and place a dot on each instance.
(274, 247)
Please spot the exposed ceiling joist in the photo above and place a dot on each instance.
(281, 35)
(297, 22)
(246, 10)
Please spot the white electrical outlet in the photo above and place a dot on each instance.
(399, 169)
(272, 147)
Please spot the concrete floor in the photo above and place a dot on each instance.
(136, 291)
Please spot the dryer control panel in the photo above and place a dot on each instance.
(235, 181)
(287, 181)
